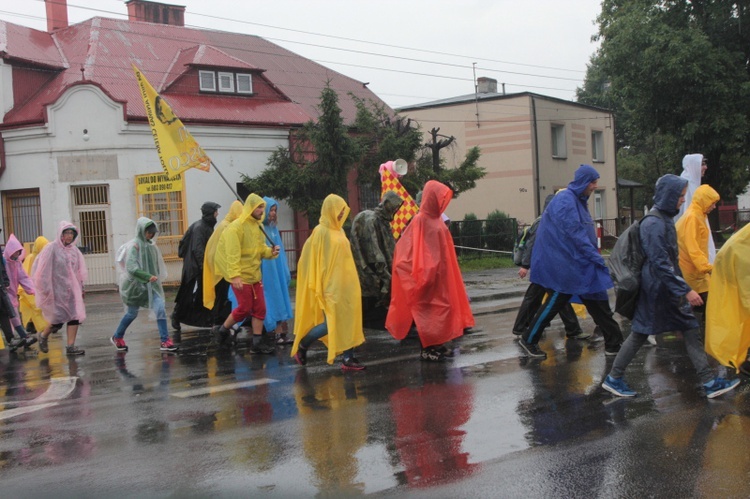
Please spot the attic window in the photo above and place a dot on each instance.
(244, 84)
(226, 82)
(207, 81)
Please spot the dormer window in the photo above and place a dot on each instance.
(226, 82)
(207, 81)
(244, 84)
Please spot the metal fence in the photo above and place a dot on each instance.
(483, 238)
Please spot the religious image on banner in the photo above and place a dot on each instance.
(177, 149)
(389, 182)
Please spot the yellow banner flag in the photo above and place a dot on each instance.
(178, 151)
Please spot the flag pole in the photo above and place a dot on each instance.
(227, 182)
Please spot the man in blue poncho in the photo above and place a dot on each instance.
(566, 262)
(276, 278)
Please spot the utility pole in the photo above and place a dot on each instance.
(436, 145)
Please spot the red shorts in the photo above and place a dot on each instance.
(250, 302)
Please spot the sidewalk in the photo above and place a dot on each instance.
(495, 290)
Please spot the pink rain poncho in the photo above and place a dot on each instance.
(16, 274)
(58, 274)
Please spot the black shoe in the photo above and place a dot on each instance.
(72, 350)
(301, 356)
(447, 352)
(262, 349)
(43, 344)
(430, 354)
(221, 335)
(745, 368)
(532, 350)
(578, 335)
(15, 344)
(28, 341)
(612, 351)
(352, 365)
(518, 333)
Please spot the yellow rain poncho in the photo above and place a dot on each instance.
(210, 277)
(327, 283)
(692, 239)
(728, 308)
(242, 245)
(26, 302)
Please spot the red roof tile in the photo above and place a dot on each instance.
(106, 48)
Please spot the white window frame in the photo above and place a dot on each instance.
(201, 75)
(600, 208)
(597, 146)
(558, 141)
(229, 78)
(249, 80)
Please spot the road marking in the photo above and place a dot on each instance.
(58, 389)
(223, 388)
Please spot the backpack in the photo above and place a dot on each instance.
(520, 246)
(625, 263)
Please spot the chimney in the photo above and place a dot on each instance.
(157, 13)
(486, 85)
(57, 14)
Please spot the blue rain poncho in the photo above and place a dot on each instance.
(276, 276)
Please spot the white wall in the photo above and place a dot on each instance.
(743, 200)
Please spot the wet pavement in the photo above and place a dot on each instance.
(488, 422)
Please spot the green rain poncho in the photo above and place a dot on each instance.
(138, 260)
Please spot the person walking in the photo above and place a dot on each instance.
(329, 300)
(665, 299)
(59, 274)
(14, 254)
(566, 262)
(141, 270)
(427, 287)
(276, 279)
(694, 167)
(188, 308)
(693, 234)
(31, 314)
(237, 260)
(373, 245)
(534, 295)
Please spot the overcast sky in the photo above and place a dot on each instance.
(409, 51)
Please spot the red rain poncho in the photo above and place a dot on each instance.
(427, 286)
(58, 274)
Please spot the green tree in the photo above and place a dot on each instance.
(459, 179)
(471, 233)
(500, 231)
(677, 77)
(303, 183)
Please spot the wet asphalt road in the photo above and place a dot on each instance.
(487, 423)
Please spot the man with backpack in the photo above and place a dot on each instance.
(665, 299)
(566, 262)
(532, 300)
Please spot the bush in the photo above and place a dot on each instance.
(500, 231)
(471, 231)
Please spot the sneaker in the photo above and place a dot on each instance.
(447, 352)
(15, 344)
(301, 356)
(119, 344)
(532, 350)
(221, 335)
(70, 350)
(28, 341)
(432, 355)
(651, 339)
(578, 335)
(617, 387)
(517, 333)
(282, 339)
(611, 351)
(719, 386)
(352, 365)
(168, 346)
(43, 344)
(262, 349)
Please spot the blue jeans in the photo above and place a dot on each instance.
(157, 304)
(317, 333)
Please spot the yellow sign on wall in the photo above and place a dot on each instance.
(154, 183)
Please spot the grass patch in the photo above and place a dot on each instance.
(485, 263)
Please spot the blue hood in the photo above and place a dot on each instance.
(585, 174)
(270, 203)
(668, 191)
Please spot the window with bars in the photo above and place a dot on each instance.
(22, 214)
(91, 205)
(168, 211)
